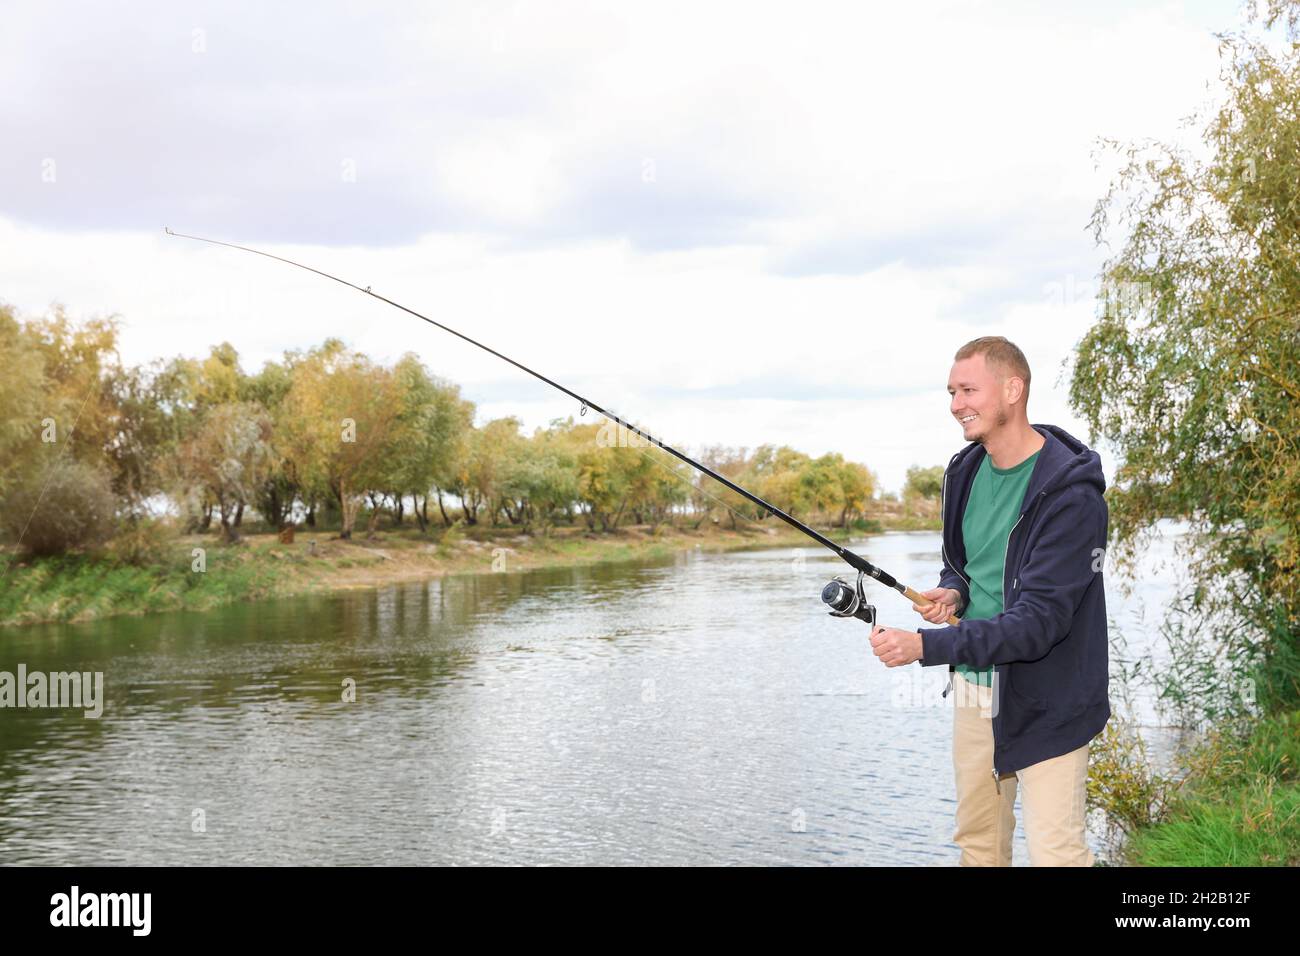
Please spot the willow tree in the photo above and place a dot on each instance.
(339, 419)
(228, 459)
(776, 476)
(430, 431)
(1192, 372)
(483, 467)
(22, 405)
(656, 482)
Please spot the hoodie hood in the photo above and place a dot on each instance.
(1062, 461)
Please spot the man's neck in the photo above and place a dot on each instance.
(1013, 446)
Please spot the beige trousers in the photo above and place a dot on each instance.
(1054, 793)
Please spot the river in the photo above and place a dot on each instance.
(700, 709)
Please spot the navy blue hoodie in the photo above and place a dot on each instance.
(1049, 645)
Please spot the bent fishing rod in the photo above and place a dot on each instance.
(843, 600)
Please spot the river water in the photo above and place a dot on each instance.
(700, 709)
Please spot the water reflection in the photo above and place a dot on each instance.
(695, 709)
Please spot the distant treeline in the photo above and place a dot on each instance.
(89, 444)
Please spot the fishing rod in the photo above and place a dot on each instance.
(843, 601)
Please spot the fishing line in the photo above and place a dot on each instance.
(856, 561)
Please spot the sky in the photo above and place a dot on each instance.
(731, 223)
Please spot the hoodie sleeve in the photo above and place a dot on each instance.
(1056, 573)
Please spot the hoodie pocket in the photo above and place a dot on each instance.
(1020, 712)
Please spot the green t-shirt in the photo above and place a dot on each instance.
(991, 512)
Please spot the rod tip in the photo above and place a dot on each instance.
(168, 230)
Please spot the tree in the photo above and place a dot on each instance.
(484, 468)
(818, 487)
(655, 482)
(553, 476)
(454, 419)
(62, 505)
(602, 485)
(538, 479)
(857, 485)
(141, 438)
(78, 362)
(22, 387)
(339, 417)
(1192, 371)
(429, 435)
(706, 493)
(275, 496)
(229, 459)
(774, 474)
(923, 482)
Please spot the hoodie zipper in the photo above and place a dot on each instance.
(943, 494)
(996, 780)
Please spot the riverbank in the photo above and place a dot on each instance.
(1238, 803)
(197, 572)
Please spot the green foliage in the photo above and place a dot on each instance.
(540, 479)
(230, 458)
(1192, 371)
(923, 482)
(325, 430)
(22, 385)
(66, 505)
(1120, 781)
(1238, 804)
(341, 417)
(142, 543)
(431, 434)
(79, 587)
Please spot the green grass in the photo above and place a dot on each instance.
(1240, 806)
(78, 587)
(1258, 825)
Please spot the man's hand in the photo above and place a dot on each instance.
(944, 606)
(894, 647)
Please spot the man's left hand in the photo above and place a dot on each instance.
(896, 647)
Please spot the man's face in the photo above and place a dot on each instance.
(978, 401)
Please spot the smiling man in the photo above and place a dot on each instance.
(1024, 537)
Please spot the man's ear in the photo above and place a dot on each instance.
(1014, 389)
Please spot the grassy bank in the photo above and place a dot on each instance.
(82, 587)
(1238, 805)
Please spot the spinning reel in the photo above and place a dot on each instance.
(846, 601)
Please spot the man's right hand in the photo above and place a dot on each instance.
(945, 605)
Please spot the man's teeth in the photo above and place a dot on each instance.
(968, 418)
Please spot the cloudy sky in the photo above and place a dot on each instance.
(734, 223)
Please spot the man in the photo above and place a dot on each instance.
(1024, 536)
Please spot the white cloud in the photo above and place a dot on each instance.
(737, 223)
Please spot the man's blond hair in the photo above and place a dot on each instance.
(1000, 355)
